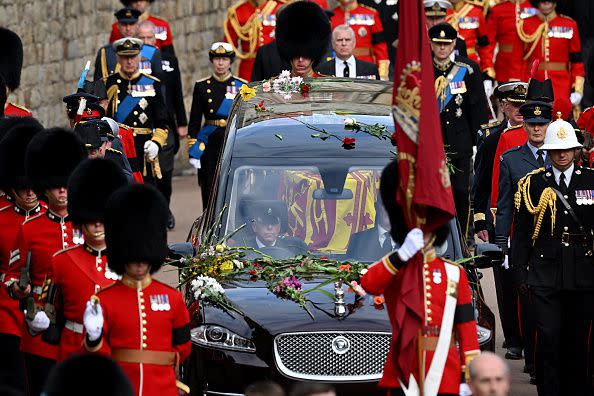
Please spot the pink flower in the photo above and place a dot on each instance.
(358, 289)
(266, 86)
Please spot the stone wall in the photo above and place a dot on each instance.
(59, 36)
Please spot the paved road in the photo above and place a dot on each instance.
(187, 205)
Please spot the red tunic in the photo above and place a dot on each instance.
(11, 218)
(162, 31)
(78, 272)
(42, 235)
(511, 137)
(14, 110)
(586, 121)
(469, 21)
(5, 200)
(380, 279)
(247, 28)
(127, 138)
(562, 63)
(369, 33)
(501, 23)
(156, 311)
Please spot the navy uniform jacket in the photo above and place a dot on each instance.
(463, 108)
(147, 111)
(488, 138)
(550, 263)
(515, 163)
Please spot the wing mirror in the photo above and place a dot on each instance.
(488, 255)
(179, 250)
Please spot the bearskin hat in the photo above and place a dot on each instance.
(51, 157)
(76, 372)
(7, 123)
(11, 58)
(136, 227)
(303, 29)
(398, 229)
(540, 90)
(89, 188)
(12, 152)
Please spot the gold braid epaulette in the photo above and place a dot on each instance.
(548, 198)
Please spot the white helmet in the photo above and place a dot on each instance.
(560, 136)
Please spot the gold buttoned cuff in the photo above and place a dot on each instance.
(490, 71)
(479, 216)
(160, 136)
(384, 69)
(578, 86)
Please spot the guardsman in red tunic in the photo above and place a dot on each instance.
(50, 158)
(369, 33)
(302, 37)
(162, 29)
(501, 23)
(554, 41)
(442, 281)
(141, 323)
(26, 204)
(469, 21)
(11, 62)
(250, 24)
(586, 122)
(80, 271)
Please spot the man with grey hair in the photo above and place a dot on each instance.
(489, 375)
(345, 64)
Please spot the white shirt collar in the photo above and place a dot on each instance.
(567, 172)
(535, 150)
(261, 244)
(350, 61)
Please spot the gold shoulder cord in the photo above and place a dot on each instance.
(548, 199)
(529, 38)
(249, 32)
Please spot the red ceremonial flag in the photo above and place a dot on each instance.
(424, 193)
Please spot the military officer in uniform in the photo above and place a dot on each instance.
(25, 205)
(136, 100)
(553, 243)
(79, 271)
(212, 99)
(367, 24)
(559, 52)
(162, 30)
(11, 62)
(511, 96)
(50, 158)
(250, 24)
(462, 106)
(383, 278)
(435, 13)
(514, 165)
(142, 323)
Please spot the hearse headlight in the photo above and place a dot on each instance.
(218, 337)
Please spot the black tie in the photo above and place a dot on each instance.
(387, 245)
(346, 70)
(562, 185)
(540, 158)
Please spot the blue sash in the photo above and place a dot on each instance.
(130, 102)
(222, 113)
(446, 95)
(148, 51)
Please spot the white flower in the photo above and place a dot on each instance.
(287, 96)
(350, 122)
(363, 271)
(238, 264)
(207, 288)
(285, 74)
(266, 86)
(297, 80)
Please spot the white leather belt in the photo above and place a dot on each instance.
(74, 327)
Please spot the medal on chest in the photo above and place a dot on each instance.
(437, 276)
(160, 302)
(143, 103)
(231, 92)
(584, 197)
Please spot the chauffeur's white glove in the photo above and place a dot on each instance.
(505, 263)
(40, 323)
(412, 244)
(488, 84)
(575, 98)
(195, 163)
(151, 150)
(93, 320)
